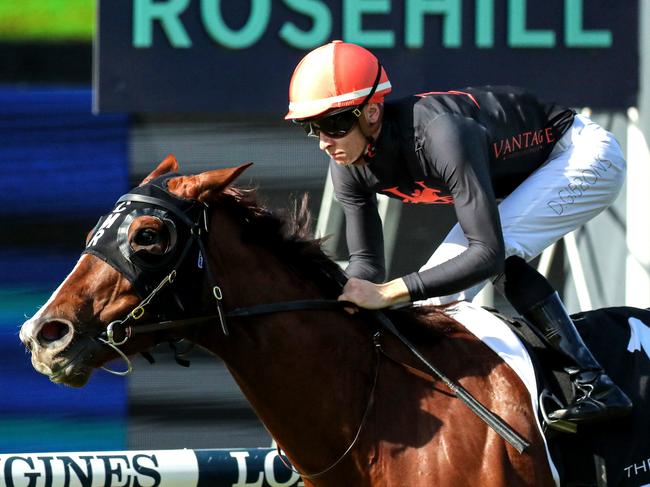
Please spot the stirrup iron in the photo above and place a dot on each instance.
(561, 425)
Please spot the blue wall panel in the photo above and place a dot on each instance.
(56, 157)
(61, 163)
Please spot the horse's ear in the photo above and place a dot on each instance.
(169, 164)
(207, 185)
(213, 182)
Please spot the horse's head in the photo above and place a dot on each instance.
(131, 255)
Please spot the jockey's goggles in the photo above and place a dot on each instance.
(335, 126)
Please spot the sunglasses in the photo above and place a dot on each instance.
(334, 126)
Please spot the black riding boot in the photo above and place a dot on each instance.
(597, 397)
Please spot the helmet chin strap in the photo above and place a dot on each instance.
(368, 152)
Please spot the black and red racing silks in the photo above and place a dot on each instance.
(466, 148)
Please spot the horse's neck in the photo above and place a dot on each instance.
(300, 370)
(249, 273)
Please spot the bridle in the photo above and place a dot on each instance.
(194, 221)
(198, 228)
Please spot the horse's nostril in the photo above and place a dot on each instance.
(52, 331)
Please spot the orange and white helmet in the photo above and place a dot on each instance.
(335, 75)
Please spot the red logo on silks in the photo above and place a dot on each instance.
(426, 195)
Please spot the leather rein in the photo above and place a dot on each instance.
(128, 326)
(118, 332)
(197, 230)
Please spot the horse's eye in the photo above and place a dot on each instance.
(145, 236)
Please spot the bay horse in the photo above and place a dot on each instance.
(348, 404)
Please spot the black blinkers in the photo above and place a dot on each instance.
(109, 240)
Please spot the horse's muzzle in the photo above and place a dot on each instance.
(51, 334)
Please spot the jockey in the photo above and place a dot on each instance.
(554, 170)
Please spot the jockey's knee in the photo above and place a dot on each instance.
(522, 285)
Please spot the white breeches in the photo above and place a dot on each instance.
(582, 177)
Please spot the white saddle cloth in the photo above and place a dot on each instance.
(501, 339)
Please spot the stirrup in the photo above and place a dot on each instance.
(597, 401)
(561, 425)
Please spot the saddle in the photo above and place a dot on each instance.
(553, 382)
(612, 453)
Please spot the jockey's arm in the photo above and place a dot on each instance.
(456, 151)
(456, 148)
(363, 228)
(366, 294)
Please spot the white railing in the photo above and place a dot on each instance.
(255, 467)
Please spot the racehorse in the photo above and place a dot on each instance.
(187, 256)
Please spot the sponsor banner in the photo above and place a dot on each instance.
(258, 467)
(163, 468)
(237, 56)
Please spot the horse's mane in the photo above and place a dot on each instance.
(289, 235)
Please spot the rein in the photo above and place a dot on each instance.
(109, 336)
(371, 399)
(197, 230)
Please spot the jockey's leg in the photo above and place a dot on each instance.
(581, 178)
(597, 397)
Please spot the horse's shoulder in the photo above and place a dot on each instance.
(425, 324)
(434, 333)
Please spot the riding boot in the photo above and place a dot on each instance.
(597, 397)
